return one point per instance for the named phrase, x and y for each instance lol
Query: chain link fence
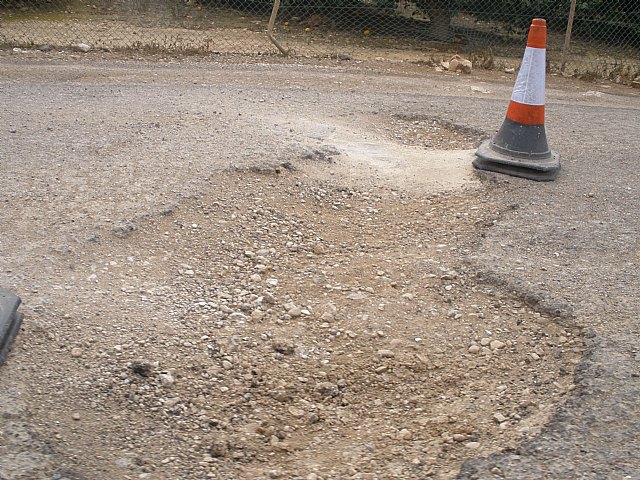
(594, 39)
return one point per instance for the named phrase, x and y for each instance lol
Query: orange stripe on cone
(526, 114)
(537, 34)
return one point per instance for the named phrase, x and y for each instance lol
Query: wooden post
(272, 20)
(567, 37)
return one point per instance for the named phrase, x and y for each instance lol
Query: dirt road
(247, 270)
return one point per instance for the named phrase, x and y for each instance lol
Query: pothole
(432, 133)
(282, 324)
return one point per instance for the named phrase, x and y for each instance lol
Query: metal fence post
(567, 37)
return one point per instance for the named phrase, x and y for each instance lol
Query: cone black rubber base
(538, 169)
(10, 320)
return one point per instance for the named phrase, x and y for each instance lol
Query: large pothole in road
(286, 327)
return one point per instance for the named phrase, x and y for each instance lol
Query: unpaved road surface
(289, 271)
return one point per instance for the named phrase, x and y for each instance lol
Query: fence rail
(605, 40)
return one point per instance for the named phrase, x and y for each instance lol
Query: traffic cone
(520, 147)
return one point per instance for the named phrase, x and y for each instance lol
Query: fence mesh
(605, 41)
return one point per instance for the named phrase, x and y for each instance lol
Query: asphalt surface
(569, 247)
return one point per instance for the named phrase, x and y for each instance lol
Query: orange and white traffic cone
(520, 147)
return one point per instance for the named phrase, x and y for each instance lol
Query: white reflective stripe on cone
(529, 88)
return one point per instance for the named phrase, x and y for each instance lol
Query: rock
(295, 312)
(445, 65)
(76, 352)
(227, 365)
(499, 418)
(171, 402)
(284, 347)
(344, 56)
(327, 389)
(75, 416)
(485, 341)
(167, 380)
(357, 296)
(142, 369)
(237, 316)
(384, 353)
(459, 437)
(318, 249)
(459, 64)
(296, 412)
(405, 434)
(496, 345)
(218, 449)
(510, 71)
(472, 445)
(474, 349)
(81, 47)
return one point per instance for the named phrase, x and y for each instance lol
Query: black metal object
(10, 321)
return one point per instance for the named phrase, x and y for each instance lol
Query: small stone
(171, 402)
(327, 389)
(256, 277)
(76, 352)
(510, 71)
(167, 380)
(474, 349)
(82, 47)
(142, 369)
(499, 418)
(218, 449)
(295, 312)
(75, 416)
(318, 249)
(405, 434)
(344, 56)
(272, 282)
(466, 66)
(496, 345)
(296, 412)
(535, 356)
(472, 445)
(384, 353)
(283, 347)
(485, 341)
(459, 437)
(227, 365)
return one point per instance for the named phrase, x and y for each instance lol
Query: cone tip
(539, 22)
